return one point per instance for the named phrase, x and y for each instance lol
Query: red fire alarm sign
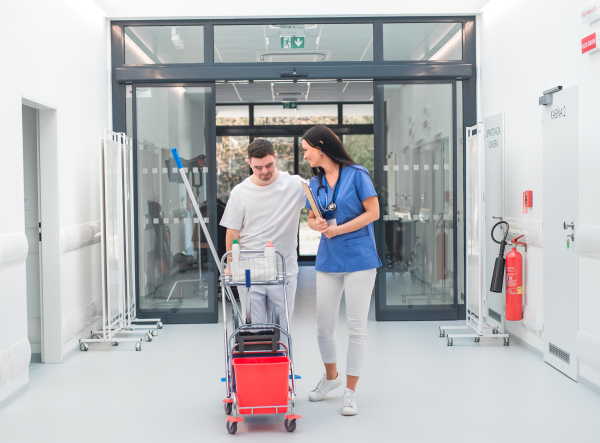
(527, 201)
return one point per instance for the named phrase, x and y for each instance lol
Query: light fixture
(176, 38)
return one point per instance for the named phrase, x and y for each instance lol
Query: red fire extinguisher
(514, 282)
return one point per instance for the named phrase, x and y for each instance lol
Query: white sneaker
(324, 386)
(349, 403)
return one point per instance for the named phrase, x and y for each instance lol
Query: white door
(561, 262)
(494, 212)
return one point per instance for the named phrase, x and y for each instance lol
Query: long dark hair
(324, 139)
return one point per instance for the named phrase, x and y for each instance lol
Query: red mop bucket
(262, 381)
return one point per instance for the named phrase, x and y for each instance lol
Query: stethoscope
(331, 206)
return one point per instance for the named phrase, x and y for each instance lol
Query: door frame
(212, 313)
(379, 70)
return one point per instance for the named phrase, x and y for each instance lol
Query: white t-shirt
(268, 213)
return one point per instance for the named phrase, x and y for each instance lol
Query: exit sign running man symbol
(292, 42)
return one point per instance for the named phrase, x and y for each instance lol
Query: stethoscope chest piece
(332, 206)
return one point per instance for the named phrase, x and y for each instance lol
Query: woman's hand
(332, 231)
(321, 225)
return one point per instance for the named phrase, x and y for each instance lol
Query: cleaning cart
(259, 365)
(259, 370)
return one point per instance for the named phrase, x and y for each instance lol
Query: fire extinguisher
(514, 275)
(514, 282)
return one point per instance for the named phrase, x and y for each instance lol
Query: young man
(266, 207)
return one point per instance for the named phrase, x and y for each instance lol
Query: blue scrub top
(356, 250)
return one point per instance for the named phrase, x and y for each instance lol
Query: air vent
(559, 353)
(495, 315)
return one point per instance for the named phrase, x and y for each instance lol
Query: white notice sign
(494, 132)
(590, 13)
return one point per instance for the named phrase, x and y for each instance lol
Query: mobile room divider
(119, 320)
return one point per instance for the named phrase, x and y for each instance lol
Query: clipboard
(311, 200)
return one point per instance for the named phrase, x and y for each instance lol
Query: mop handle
(197, 209)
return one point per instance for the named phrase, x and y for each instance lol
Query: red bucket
(262, 381)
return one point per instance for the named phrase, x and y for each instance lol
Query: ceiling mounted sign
(590, 13)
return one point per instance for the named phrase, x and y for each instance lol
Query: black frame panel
(168, 317)
(378, 70)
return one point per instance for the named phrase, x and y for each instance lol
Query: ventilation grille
(493, 314)
(559, 353)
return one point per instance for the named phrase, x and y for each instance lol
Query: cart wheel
(236, 318)
(477, 339)
(506, 341)
(290, 425)
(83, 347)
(277, 315)
(403, 299)
(159, 325)
(115, 343)
(138, 346)
(410, 304)
(449, 341)
(494, 331)
(231, 427)
(148, 337)
(154, 332)
(228, 408)
(442, 333)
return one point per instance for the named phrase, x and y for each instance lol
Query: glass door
(416, 174)
(176, 275)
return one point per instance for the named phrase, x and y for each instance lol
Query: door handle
(497, 217)
(565, 225)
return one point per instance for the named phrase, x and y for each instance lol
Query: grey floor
(414, 389)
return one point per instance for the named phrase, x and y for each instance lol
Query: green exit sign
(290, 105)
(292, 42)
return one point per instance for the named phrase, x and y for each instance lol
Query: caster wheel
(231, 427)
(494, 331)
(442, 333)
(506, 341)
(449, 341)
(290, 425)
(403, 299)
(477, 339)
(159, 325)
(83, 347)
(138, 346)
(148, 337)
(154, 332)
(115, 343)
(228, 408)
(410, 305)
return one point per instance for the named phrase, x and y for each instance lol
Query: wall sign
(292, 42)
(588, 44)
(590, 13)
(494, 131)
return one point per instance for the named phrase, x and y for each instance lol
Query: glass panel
(173, 254)
(284, 148)
(232, 167)
(293, 43)
(358, 114)
(148, 45)
(418, 196)
(422, 41)
(233, 116)
(361, 148)
(303, 115)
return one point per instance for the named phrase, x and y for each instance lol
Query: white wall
(54, 53)
(527, 47)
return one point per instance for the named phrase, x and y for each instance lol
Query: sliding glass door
(175, 273)
(416, 167)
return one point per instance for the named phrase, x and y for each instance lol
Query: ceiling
(301, 91)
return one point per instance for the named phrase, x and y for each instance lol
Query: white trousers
(358, 287)
(263, 300)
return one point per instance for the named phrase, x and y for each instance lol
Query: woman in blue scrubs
(347, 258)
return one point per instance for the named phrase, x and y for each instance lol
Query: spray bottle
(269, 250)
(235, 250)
